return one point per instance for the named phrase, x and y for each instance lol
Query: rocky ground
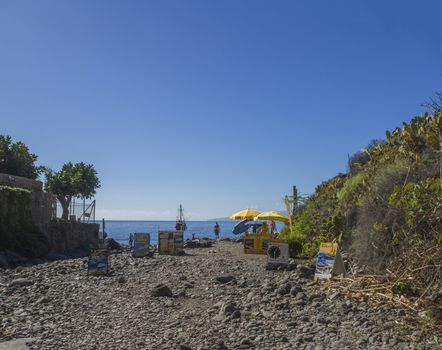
(212, 298)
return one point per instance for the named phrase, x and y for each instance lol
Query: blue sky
(218, 105)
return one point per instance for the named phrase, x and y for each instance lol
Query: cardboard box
(171, 242)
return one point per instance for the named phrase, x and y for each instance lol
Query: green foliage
(419, 134)
(357, 162)
(321, 211)
(387, 209)
(14, 189)
(317, 220)
(402, 287)
(300, 244)
(379, 228)
(16, 159)
(73, 180)
(421, 203)
(352, 191)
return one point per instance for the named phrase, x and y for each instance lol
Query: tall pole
(104, 225)
(295, 201)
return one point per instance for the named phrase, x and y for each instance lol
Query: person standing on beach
(216, 230)
(131, 240)
(264, 228)
(272, 227)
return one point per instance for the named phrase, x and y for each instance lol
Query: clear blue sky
(219, 105)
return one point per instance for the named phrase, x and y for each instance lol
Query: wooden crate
(171, 242)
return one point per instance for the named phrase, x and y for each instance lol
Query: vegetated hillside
(387, 209)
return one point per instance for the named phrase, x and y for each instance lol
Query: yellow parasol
(245, 214)
(272, 216)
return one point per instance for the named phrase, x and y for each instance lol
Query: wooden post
(295, 201)
(104, 225)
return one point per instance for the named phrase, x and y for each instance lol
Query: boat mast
(180, 221)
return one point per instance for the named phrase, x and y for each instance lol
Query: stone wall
(18, 232)
(20, 182)
(15, 208)
(38, 207)
(43, 208)
(28, 224)
(71, 238)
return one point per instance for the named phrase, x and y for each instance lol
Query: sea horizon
(121, 229)
(170, 220)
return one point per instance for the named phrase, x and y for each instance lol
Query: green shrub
(387, 210)
(297, 242)
(351, 193)
(300, 239)
(16, 159)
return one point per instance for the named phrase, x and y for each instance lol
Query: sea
(120, 230)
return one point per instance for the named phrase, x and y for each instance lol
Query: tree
(73, 180)
(16, 159)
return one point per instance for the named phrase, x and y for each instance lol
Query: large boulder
(112, 244)
(227, 308)
(305, 271)
(21, 282)
(161, 290)
(196, 243)
(223, 279)
(284, 289)
(16, 344)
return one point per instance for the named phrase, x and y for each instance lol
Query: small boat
(180, 224)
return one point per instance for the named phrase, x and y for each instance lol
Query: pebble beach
(211, 298)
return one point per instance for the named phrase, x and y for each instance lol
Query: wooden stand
(255, 243)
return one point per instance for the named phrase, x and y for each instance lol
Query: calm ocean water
(120, 230)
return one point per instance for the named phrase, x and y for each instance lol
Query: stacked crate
(171, 242)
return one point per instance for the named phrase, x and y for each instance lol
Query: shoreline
(219, 298)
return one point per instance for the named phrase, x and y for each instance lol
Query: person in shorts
(216, 230)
